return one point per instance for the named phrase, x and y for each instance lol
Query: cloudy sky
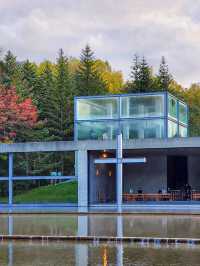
(116, 30)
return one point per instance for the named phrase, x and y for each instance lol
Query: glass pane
(44, 164)
(172, 129)
(139, 129)
(142, 106)
(103, 108)
(3, 191)
(172, 107)
(97, 130)
(45, 191)
(182, 113)
(3, 165)
(182, 131)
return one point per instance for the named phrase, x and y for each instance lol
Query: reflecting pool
(59, 254)
(102, 225)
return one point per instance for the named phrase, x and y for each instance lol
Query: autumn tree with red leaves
(15, 115)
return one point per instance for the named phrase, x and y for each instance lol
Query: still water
(102, 225)
(60, 254)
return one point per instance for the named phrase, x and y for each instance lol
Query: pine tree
(63, 98)
(46, 93)
(88, 79)
(141, 76)
(134, 84)
(164, 77)
(145, 77)
(30, 81)
(9, 70)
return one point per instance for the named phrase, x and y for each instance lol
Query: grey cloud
(37, 29)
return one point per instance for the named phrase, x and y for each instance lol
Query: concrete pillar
(10, 254)
(120, 255)
(81, 254)
(119, 173)
(82, 249)
(119, 226)
(10, 178)
(10, 225)
(82, 225)
(120, 246)
(82, 173)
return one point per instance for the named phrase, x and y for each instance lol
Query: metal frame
(11, 178)
(120, 119)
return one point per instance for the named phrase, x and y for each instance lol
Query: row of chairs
(171, 196)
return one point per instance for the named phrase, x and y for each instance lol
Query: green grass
(61, 192)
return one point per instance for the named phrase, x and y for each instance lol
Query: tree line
(51, 87)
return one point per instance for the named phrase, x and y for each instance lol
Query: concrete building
(145, 116)
(158, 158)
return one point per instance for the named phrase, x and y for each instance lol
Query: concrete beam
(39, 146)
(100, 145)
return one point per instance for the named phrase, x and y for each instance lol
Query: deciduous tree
(15, 115)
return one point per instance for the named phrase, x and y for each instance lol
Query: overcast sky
(116, 30)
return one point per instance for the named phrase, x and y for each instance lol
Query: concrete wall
(101, 186)
(150, 176)
(194, 171)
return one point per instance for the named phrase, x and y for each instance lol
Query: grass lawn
(62, 192)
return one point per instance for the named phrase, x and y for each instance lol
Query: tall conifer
(88, 79)
(145, 77)
(164, 77)
(135, 75)
(30, 81)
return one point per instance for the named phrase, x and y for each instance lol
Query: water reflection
(102, 225)
(19, 254)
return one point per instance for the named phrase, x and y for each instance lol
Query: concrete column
(10, 178)
(119, 226)
(82, 225)
(82, 249)
(10, 225)
(82, 173)
(81, 254)
(10, 254)
(119, 173)
(119, 246)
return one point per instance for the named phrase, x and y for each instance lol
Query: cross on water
(119, 160)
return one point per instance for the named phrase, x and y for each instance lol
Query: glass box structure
(137, 116)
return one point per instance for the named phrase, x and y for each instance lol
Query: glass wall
(45, 191)
(145, 115)
(3, 191)
(142, 106)
(97, 130)
(183, 131)
(172, 107)
(177, 118)
(140, 129)
(97, 108)
(182, 113)
(172, 129)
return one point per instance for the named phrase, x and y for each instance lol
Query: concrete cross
(119, 160)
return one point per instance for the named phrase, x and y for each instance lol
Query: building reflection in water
(105, 257)
(10, 245)
(106, 225)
